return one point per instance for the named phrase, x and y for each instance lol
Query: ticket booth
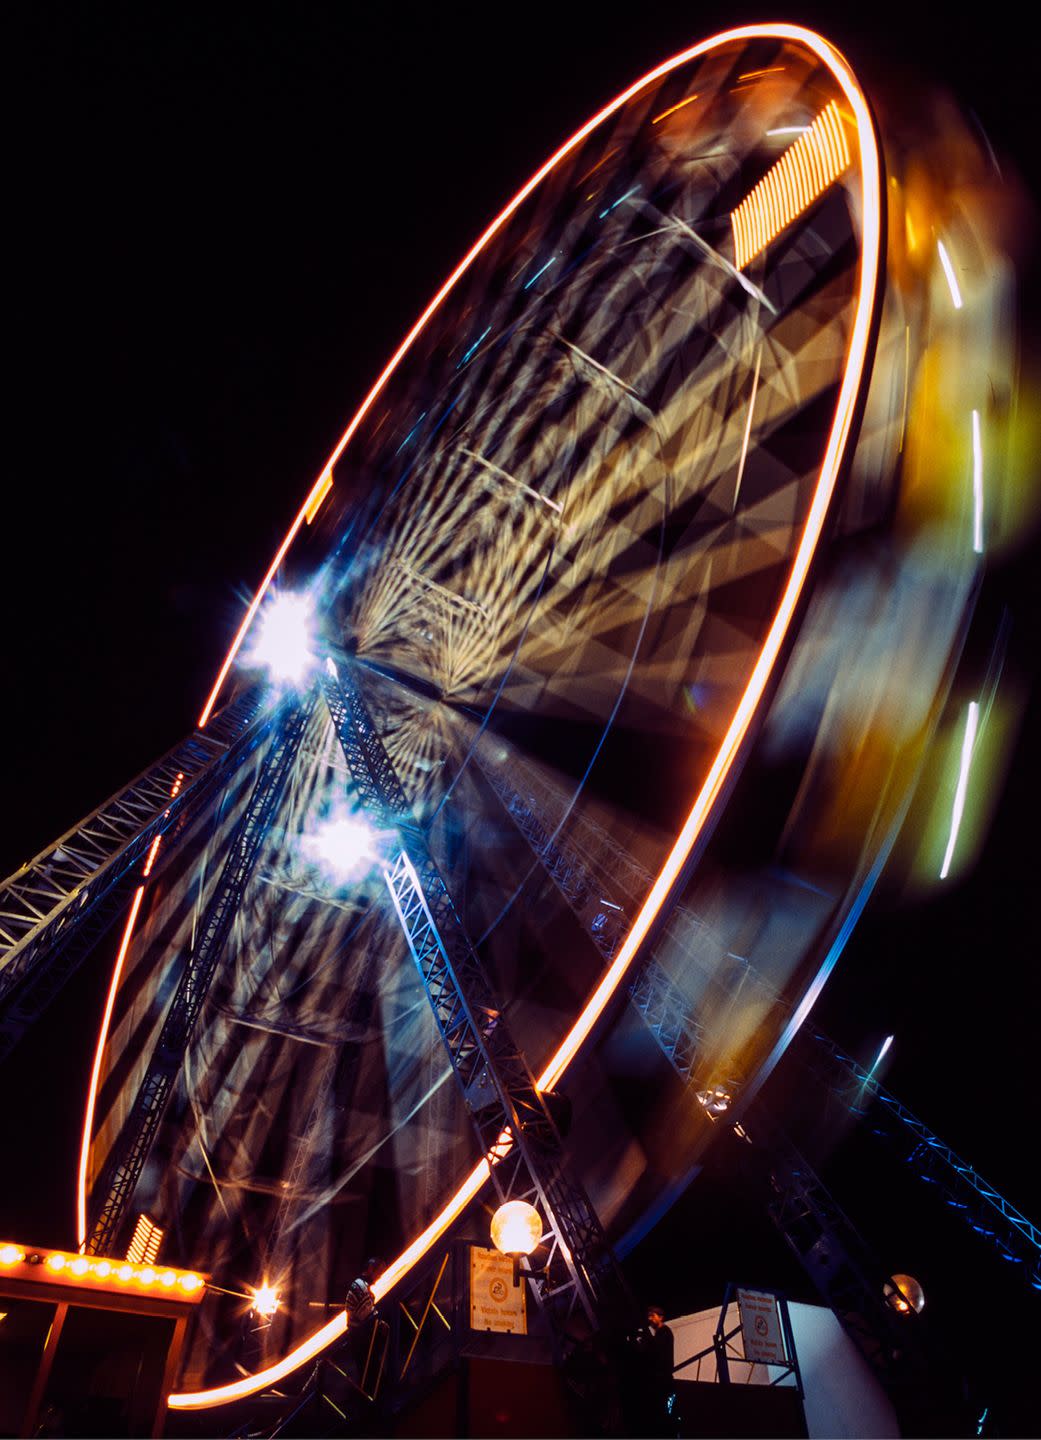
(89, 1345)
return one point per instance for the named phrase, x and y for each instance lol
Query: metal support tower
(821, 1236)
(57, 906)
(1017, 1239)
(125, 1163)
(512, 1121)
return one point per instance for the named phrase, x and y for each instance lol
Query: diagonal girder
(819, 1233)
(510, 1115)
(1017, 1239)
(56, 907)
(126, 1161)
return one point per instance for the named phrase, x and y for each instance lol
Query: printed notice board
(495, 1302)
(761, 1327)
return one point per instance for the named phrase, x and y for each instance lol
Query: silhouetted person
(653, 1357)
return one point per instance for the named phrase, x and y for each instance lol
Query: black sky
(219, 223)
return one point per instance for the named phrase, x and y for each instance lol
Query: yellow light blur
(516, 1228)
(790, 186)
(102, 1269)
(55, 1262)
(11, 1255)
(190, 1283)
(167, 1278)
(125, 1272)
(80, 1266)
(146, 1276)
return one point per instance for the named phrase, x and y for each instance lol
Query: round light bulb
(125, 1272)
(167, 1278)
(904, 1294)
(516, 1228)
(10, 1255)
(102, 1269)
(146, 1276)
(55, 1262)
(80, 1266)
(190, 1283)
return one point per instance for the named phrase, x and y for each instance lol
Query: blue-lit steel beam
(126, 1161)
(56, 907)
(497, 1084)
(1017, 1239)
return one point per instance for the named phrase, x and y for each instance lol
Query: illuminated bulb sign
(96, 1273)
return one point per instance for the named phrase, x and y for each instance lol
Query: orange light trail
(95, 1074)
(106, 1020)
(856, 360)
(316, 499)
(673, 108)
(804, 171)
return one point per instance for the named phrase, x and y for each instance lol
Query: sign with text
(495, 1302)
(761, 1327)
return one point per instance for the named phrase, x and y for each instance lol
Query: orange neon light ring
(853, 377)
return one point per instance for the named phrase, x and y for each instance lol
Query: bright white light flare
(284, 643)
(345, 847)
(266, 1300)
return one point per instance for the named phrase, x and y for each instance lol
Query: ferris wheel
(640, 513)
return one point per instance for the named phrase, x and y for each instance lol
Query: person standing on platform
(654, 1357)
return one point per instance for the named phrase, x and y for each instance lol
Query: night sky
(219, 224)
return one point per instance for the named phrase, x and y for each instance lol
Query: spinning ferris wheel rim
(855, 374)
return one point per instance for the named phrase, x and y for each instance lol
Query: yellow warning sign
(495, 1302)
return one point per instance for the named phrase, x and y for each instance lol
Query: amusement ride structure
(668, 517)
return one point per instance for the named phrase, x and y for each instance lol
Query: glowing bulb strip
(856, 361)
(791, 185)
(96, 1272)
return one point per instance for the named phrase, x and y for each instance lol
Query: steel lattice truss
(1018, 1240)
(57, 906)
(126, 1162)
(509, 1113)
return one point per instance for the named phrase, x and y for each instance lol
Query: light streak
(977, 484)
(948, 270)
(673, 108)
(551, 261)
(789, 130)
(316, 499)
(968, 741)
(791, 185)
(748, 426)
(881, 1054)
(722, 261)
(604, 213)
(95, 1074)
(410, 434)
(856, 359)
(503, 475)
(473, 347)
